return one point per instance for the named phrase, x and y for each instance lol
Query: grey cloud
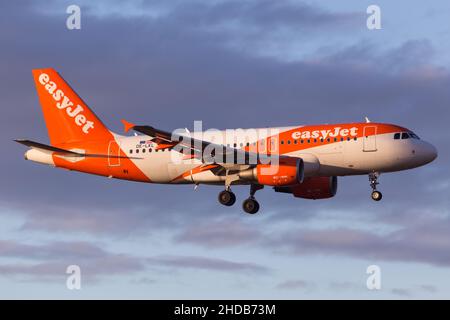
(401, 292)
(410, 55)
(296, 285)
(215, 264)
(346, 285)
(144, 281)
(220, 233)
(428, 288)
(423, 244)
(410, 292)
(54, 250)
(50, 260)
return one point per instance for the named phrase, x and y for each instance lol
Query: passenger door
(370, 139)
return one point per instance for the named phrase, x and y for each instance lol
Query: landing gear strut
(373, 179)
(227, 197)
(250, 205)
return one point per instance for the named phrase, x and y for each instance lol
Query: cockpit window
(406, 135)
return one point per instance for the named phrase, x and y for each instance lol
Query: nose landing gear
(373, 179)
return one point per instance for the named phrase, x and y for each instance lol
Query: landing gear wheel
(377, 195)
(250, 206)
(373, 179)
(227, 198)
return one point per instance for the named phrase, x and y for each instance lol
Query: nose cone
(428, 152)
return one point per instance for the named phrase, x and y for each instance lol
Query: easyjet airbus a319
(304, 161)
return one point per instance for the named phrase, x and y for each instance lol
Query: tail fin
(67, 117)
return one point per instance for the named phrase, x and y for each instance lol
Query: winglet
(127, 125)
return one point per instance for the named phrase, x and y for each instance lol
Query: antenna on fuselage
(367, 120)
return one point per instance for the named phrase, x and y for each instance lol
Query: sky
(230, 64)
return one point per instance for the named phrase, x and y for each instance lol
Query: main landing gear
(250, 205)
(373, 179)
(227, 198)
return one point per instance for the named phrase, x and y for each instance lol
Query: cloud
(296, 285)
(423, 244)
(419, 289)
(203, 263)
(144, 281)
(346, 285)
(54, 250)
(50, 260)
(401, 292)
(42, 262)
(428, 288)
(229, 232)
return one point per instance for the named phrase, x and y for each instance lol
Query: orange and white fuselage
(327, 150)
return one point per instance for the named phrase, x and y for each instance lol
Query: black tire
(377, 195)
(250, 206)
(227, 198)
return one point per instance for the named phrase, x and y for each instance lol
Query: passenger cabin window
(397, 136)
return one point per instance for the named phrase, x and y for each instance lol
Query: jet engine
(312, 188)
(288, 172)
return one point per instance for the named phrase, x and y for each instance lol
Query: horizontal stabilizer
(67, 153)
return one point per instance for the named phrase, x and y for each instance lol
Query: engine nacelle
(288, 172)
(313, 188)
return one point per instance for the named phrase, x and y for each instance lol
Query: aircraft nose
(429, 152)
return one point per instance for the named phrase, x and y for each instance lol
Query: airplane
(304, 161)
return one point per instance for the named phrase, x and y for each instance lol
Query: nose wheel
(373, 179)
(377, 195)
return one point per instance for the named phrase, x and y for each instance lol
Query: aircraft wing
(205, 151)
